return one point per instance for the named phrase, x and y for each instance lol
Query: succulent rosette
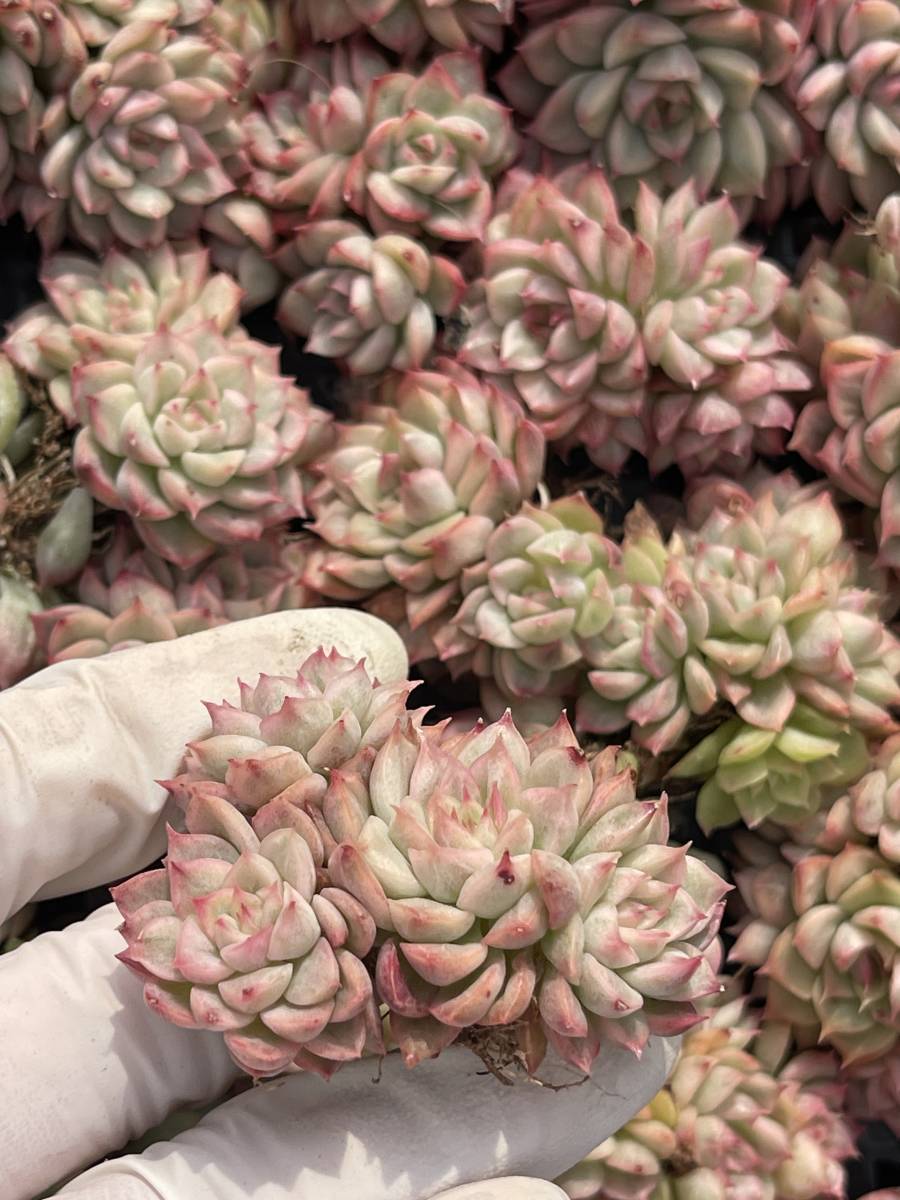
(824, 932)
(432, 146)
(853, 435)
(749, 411)
(500, 868)
(726, 1124)
(853, 288)
(130, 596)
(247, 789)
(142, 140)
(600, 329)
(810, 679)
(665, 92)
(845, 318)
(301, 138)
(232, 936)
(849, 93)
(41, 51)
(371, 302)
(274, 752)
(533, 605)
(197, 437)
(756, 775)
(414, 488)
(109, 309)
(646, 667)
(406, 25)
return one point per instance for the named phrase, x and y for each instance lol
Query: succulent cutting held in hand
(337, 865)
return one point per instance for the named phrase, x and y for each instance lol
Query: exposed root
(499, 1048)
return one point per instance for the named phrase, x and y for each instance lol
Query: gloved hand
(85, 1066)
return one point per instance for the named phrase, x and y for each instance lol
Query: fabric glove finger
(82, 742)
(412, 1135)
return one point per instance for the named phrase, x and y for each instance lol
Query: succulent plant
(301, 138)
(498, 868)
(108, 309)
(406, 25)
(68, 631)
(197, 437)
(853, 435)
(823, 931)
(647, 665)
(104, 324)
(501, 881)
(532, 606)
(850, 288)
(759, 605)
(415, 486)
(128, 596)
(141, 141)
(665, 92)
(849, 94)
(410, 154)
(795, 644)
(370, 302)
(42, 51)
(756, 775)
(232, 936)
(725, 1125)
(433, 142)
(748, 411)
(276, 751)
(595, 325)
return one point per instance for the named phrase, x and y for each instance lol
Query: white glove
(85, 1066)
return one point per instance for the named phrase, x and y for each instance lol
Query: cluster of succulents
(622, 469)
(760, 606)
(657, 339)
(501, 880)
